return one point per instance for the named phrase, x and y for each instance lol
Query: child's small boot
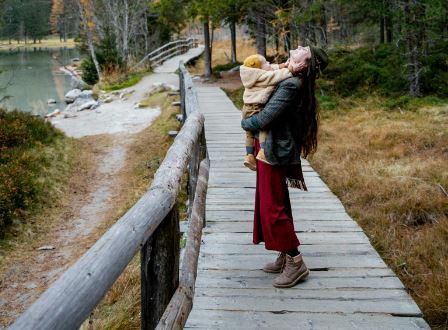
(261, 156)
(250, 162)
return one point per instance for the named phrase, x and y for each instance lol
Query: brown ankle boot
(250, 162)
(277, 265)
(262, 157)
(294, 271)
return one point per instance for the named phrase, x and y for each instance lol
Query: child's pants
(248, 111)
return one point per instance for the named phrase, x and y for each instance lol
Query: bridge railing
(167, 51)
(151, 226)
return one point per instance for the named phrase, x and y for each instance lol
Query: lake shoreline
(44, 44)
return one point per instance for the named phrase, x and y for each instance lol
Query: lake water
(35, 77)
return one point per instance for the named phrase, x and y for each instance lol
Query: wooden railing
(150, 226)
(167, 51)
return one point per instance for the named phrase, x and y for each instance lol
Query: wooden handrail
(176, 314)
(151, 225)
(166, 51)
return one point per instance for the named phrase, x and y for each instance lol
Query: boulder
(108, 99)
(92, 104)
(72, 95)
(51, 101)
(53, 113)
(86, 94)
(78, 83)
(160, 87)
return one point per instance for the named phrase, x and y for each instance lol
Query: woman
(291, 118)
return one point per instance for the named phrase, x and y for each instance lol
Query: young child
(259, 79)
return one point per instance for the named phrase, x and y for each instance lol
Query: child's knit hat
(253, 61)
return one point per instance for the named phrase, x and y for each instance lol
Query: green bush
(107, 55)
(382, 69)
(89, 74)
(225, 67)
(23, 139)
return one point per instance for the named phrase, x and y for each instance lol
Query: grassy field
(120, 309)
(51, 42)
(389, 168)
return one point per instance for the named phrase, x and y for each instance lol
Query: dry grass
(51, 42)
(390, 171)
(120, 309)
(221, 54)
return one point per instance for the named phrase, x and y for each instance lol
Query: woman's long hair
(310, 114)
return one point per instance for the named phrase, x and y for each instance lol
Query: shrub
(23, 139)
(225, 67)
(107, 56)
(382, 69)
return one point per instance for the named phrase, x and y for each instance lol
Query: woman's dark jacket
(282, 119)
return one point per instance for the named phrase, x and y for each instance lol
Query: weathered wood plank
(297, 214)
(307, 249)
(358, 278)
(279, 304)
(305, 238)
(300, 226)
(246, 262)
(221, 319)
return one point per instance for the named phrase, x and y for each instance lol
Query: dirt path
(107, 136)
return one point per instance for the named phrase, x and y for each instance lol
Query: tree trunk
(207, 53)
(389, 34)
(381, 30)
(126, 33)
(413, 47)
(287, 41)
(232, 25)
(89, 36)
(323, 25)
(260, 37)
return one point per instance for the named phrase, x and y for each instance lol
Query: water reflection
(35, 78)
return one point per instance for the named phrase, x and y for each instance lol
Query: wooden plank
(358, 278)
(222, 319)
(246, 262)
(279, 304)
(296, 213)
(300, 226)
(305, 238)
(306, 249)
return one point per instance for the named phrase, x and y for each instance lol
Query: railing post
(159, 270)
(182, 92)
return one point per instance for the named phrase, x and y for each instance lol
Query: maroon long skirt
(273, 222)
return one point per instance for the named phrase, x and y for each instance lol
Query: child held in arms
(259, 79)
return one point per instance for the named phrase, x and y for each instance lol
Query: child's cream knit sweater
(259, 84)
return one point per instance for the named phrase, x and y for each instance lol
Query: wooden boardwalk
(350, 287)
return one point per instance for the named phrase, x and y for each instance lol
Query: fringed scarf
(294, 177)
